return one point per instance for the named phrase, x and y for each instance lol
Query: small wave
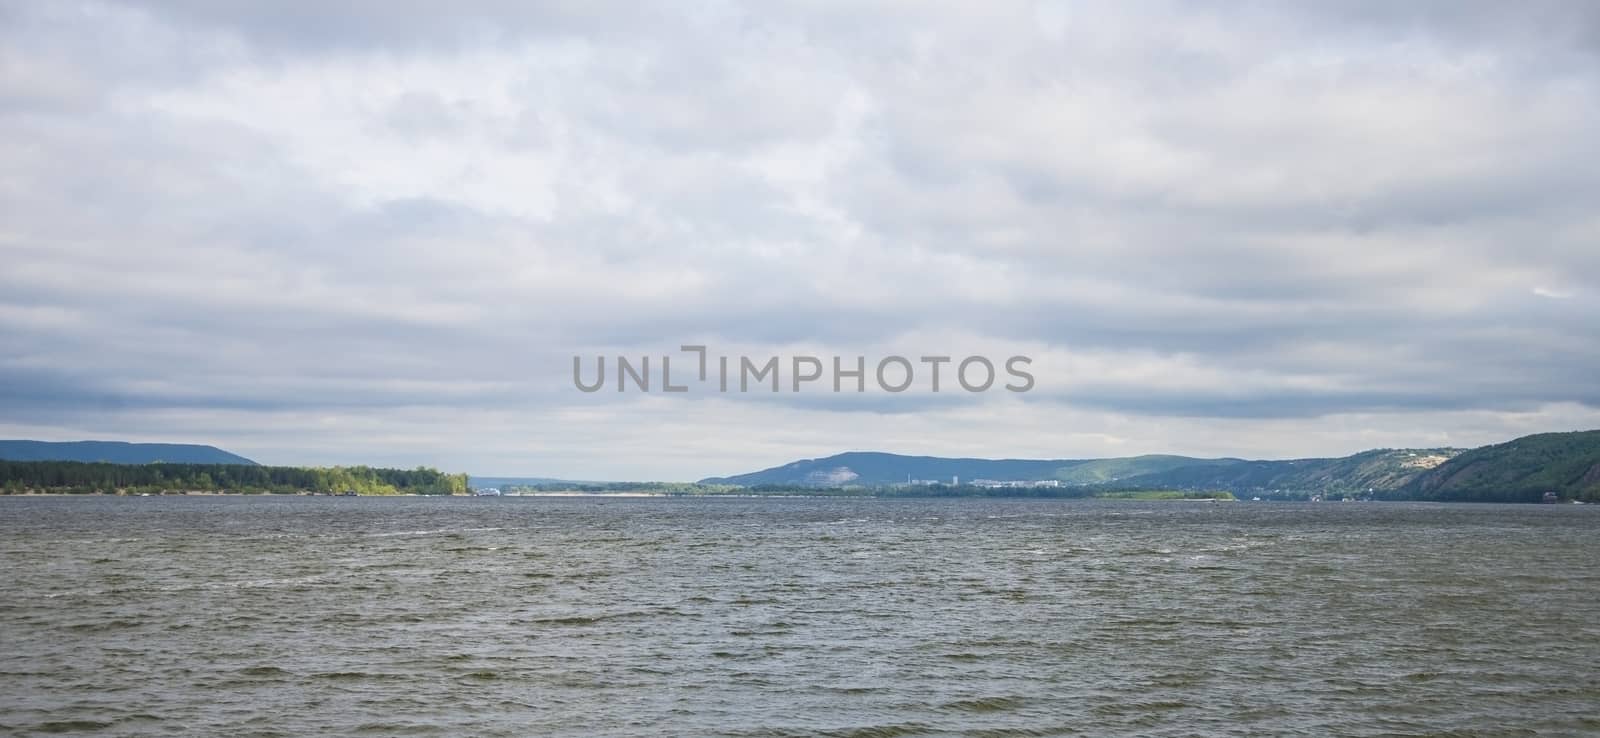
(71, 726)
(584, 619)
(856, 690)
(1141, 708)
(356, 676)
(961, 656)
(1019, 732)
(430, 532)
(985, 704)
(100, 625)
(76, 593)
(881, 731)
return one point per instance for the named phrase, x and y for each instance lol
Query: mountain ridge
(117, 452)
(1522, 469)
(1566, 465)
(878, 468)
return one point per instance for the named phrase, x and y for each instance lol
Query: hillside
(1567, 464)
(1122, 469)
(873, 468)
(117, 452)
(18, 477)
(1368, 472)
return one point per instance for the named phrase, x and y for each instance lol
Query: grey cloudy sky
(366, 232)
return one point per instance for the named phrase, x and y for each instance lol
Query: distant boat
(486, 492)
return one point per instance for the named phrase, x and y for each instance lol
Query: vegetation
(1120, 470)
(1358, 475)
(881, 469)
(1165, 494)
(80, 477)
(860, 490)
(1368, 473)
(1564, 464)
(666, 488)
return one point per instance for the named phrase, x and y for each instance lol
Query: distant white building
(1015, 483)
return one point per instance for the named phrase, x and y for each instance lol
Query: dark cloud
(376, 25)
(380, 216)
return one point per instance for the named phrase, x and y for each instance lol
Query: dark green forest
(683, 489)
(80, 477)
(1546, 466)
(1564, 464)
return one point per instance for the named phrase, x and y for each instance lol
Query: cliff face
(1590, 478)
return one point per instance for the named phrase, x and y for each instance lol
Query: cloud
(1292, 229)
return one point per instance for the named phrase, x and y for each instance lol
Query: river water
(261, 616)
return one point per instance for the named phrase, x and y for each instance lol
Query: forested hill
(1523, 470)
(79, 477)
(1567, 465)
(117, 452)
(874, 468)
(1370, 470)
(1373, 472)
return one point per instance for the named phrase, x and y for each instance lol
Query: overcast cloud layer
(359, 232)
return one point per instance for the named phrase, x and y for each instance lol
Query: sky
(373, 233)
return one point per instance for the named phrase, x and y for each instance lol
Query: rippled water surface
(775, 617)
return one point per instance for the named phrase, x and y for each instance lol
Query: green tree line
(687, 489)
(81, 477)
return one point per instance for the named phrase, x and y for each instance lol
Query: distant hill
(1122, 469)
(1368, 472)
(117, 452)
(874, 468)
(1524, 470)
(1567, 464)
